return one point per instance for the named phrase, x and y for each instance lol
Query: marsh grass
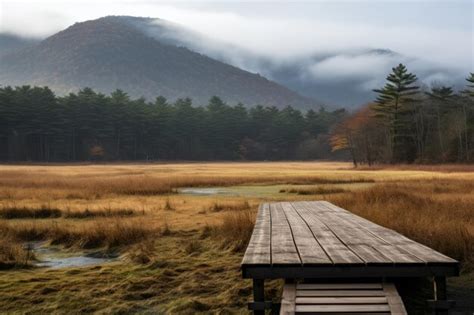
(235, 230)
(13, 254)
(99, 183)
(319, 190)
(194, 247)
(187, 260)
(172, 282)
(107, 233)
(226, 206)
(46, 212)
(168, 205)
(142, 253)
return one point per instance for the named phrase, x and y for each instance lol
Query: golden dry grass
(94, 234)
(185, 247)
(13, 254)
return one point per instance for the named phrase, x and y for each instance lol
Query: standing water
(53, 257)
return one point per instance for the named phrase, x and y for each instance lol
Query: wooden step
(341, 298)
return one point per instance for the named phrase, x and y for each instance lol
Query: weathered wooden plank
(283, 248)
(288, 299)
(335, 293)
(332, 245)
(354, 235)
(370, 255)
(320, 231)
(338, 286)
(391, 237)
(351, 229)
(342, 308)
(397, 255)
(380, 233)
(258, 251)
(325, 206)
(308, 247)
(426, 254)
(342, 300)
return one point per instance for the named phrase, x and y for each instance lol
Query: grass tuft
(192, 248)
(235, 230)
(168, 205)
(236, 206)
(13, 254)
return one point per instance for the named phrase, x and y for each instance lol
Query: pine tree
(468, 109)
(439, 97)
(470, 86)
(393, 107)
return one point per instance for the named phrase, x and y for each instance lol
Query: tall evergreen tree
(439, 96)
(393, 107)
(468, 113)
(470, 86)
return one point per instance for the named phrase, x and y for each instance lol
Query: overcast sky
(437, 31)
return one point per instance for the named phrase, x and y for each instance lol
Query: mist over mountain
(117, 52)
(343, 77)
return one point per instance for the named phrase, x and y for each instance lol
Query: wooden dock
(318, 240)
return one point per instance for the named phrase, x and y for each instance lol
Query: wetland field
(169, 238)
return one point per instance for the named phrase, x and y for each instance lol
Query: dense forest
(404, 124)
(408, 124)
(36, 125)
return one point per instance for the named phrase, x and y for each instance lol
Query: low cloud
(352, 66)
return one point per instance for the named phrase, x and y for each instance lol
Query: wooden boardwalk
(322, 235)
(316, 240)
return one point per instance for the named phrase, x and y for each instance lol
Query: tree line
(408, 124)
(37, 125)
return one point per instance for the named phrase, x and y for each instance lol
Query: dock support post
(440, 295)
(259, 294)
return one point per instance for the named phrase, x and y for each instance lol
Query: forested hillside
(36, 125)
(406, 124)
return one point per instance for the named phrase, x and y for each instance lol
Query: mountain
(117, 52)
(10, 43)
